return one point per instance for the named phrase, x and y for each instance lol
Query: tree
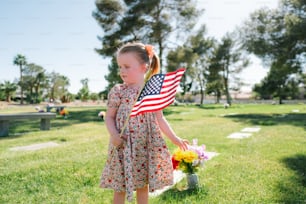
(8, 89)
(57, 85)
(34, 80)
(294, 12)
(269, 87)
(147, 21)
(292, 89)
(2, 94)
(83, 93)
(20, 60)
(94, 96)
(214, 83)
(203, 47)
(231, 62)
(183, 57)
(194, 56)
(278, 37)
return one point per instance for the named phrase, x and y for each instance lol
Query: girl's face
(131, 70)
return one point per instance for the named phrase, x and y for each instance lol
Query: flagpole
(127, 119)
(147, 77)
(129, 115)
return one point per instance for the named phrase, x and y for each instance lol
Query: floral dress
(144, 158)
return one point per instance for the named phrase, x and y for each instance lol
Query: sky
(61, 35)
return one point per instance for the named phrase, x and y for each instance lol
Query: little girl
(138, 160)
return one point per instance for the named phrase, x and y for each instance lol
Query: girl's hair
(143, 54)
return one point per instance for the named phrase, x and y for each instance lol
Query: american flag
(158, 93)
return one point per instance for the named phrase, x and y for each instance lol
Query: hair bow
(150, 50)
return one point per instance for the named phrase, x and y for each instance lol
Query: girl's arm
(110, 121)
(168, 131)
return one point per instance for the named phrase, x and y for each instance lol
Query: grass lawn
(268, 167)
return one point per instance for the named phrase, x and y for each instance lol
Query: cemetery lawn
(267, 167)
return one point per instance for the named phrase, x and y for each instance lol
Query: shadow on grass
(295, 119)
(298, 164)
(211, 107)
(19, 128)
(293, 190)
(170, 111)
(179, 195)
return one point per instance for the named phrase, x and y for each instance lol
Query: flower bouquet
(64, 112)
(189, 161)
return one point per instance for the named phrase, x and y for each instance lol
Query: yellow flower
(178, 155)
(190, 156)
(187, 156)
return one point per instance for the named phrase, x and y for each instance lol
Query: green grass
(269, 167)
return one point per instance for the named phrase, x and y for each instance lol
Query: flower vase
(192, 181)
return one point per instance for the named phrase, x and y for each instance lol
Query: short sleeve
(114, 97)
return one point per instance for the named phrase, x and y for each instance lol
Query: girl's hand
(116, 140)
(182, 144)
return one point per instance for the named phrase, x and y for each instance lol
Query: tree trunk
(201, 89)
(280, 95)
(8, 98)
(160, 56)
(218, 96)
(228, 97)
(226, 76)
(21, 85)
(202, 97)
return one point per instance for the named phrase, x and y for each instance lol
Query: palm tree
(8, 88)
(20, 61)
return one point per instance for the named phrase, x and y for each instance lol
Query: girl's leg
(142, 195)
(119, 197)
